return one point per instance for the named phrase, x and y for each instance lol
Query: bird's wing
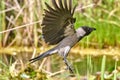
(58, 21)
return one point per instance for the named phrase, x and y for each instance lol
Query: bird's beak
(94, 28)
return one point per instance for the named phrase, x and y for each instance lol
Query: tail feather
(43, 55)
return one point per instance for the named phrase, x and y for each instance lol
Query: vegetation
(95, 57)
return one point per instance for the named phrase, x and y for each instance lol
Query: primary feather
(58, 21)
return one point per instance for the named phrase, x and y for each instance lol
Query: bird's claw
(70, 68)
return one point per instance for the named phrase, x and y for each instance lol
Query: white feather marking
(80, 32)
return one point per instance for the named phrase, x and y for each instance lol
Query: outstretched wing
(58, 21)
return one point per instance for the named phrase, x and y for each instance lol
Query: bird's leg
(68, 65)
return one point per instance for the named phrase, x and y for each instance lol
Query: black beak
(93, 28)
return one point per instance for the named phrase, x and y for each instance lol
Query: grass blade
(103, 67)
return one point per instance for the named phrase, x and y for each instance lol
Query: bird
(58, 29)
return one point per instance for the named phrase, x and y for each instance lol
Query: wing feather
(58, 21)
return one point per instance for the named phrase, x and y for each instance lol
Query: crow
(58, 28)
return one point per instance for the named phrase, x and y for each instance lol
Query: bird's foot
(70, 69)
(68, 66)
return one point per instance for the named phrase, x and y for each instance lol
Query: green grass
(2, 20)
(105, 35)
(88, 67)
(103, 67)
(115, 74)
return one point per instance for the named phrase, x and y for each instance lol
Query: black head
(87, 29)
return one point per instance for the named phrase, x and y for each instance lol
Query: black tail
(43, 55)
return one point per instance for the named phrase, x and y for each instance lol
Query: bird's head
(87, 29)
(84, 31)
